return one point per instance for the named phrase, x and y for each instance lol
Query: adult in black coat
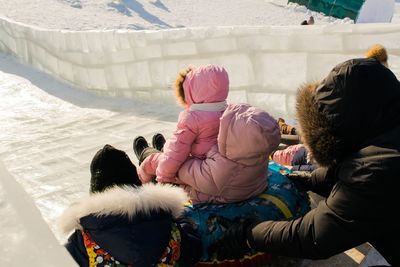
(350, 122)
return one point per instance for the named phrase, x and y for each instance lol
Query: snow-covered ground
(155, 14)
(49, 131)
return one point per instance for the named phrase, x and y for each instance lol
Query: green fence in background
(335, 8)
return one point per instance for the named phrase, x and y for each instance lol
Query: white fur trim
(218, 106)
(125, 201)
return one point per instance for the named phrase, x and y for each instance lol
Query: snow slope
(49, 131)
(155, 14)
(25, 237)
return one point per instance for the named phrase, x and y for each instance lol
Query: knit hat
(109, 167)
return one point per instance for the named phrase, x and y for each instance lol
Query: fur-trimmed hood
(127, 201)
(358, 101)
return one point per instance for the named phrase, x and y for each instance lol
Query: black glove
(233, 244)
(190, 238)
(302, 179)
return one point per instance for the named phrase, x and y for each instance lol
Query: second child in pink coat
(236, 168)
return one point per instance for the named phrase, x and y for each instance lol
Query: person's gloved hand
(190, 238)
(233, 244)
(301, 178)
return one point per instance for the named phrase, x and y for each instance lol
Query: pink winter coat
(236, 168)
(206, 89)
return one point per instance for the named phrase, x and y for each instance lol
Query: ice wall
(266, 64)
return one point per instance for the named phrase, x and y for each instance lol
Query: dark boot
(158, 141)
(139, 145)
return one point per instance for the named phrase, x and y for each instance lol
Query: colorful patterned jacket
(136, 227)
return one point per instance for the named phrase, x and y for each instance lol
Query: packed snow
(50, 130)
(156, 14)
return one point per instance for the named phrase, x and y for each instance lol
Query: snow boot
(158, 141)
(139, 145)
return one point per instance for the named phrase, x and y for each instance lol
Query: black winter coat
(351, 124)
(133, 225)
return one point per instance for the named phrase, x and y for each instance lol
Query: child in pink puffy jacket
(219, 152)
(203, 92)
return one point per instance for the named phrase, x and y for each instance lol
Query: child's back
(236, 168)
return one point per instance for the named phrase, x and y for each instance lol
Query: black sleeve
(325, 231)
(322, 180)
(76, 248)
(191, 245)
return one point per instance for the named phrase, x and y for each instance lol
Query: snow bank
(376, 11)
(27, 238)
(265, 64)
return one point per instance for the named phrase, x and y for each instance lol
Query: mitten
(302, 179)
(191, 245)
(233, 244)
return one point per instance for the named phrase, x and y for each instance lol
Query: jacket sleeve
(322, 180)
(177, 149)
(147, 170)
(76, 248)
(334, 226)
(201, 177)
(285, 156)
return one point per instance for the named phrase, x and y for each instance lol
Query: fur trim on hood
(356, 103)
(127, 201)
(315, 127)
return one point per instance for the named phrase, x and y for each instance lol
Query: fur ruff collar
(316, 129)
(127, 201)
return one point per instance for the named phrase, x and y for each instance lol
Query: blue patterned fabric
(281, 200)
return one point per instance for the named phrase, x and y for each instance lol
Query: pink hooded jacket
(205, 89)
(236, 168)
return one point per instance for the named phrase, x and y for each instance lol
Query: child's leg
(142, 149)
(147, 152)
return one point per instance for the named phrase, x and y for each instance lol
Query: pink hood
(247, 134)
(208, 84)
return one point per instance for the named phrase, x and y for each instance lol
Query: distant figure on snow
(310, 21)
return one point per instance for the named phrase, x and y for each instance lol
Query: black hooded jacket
(132, 224)
(350, 122)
